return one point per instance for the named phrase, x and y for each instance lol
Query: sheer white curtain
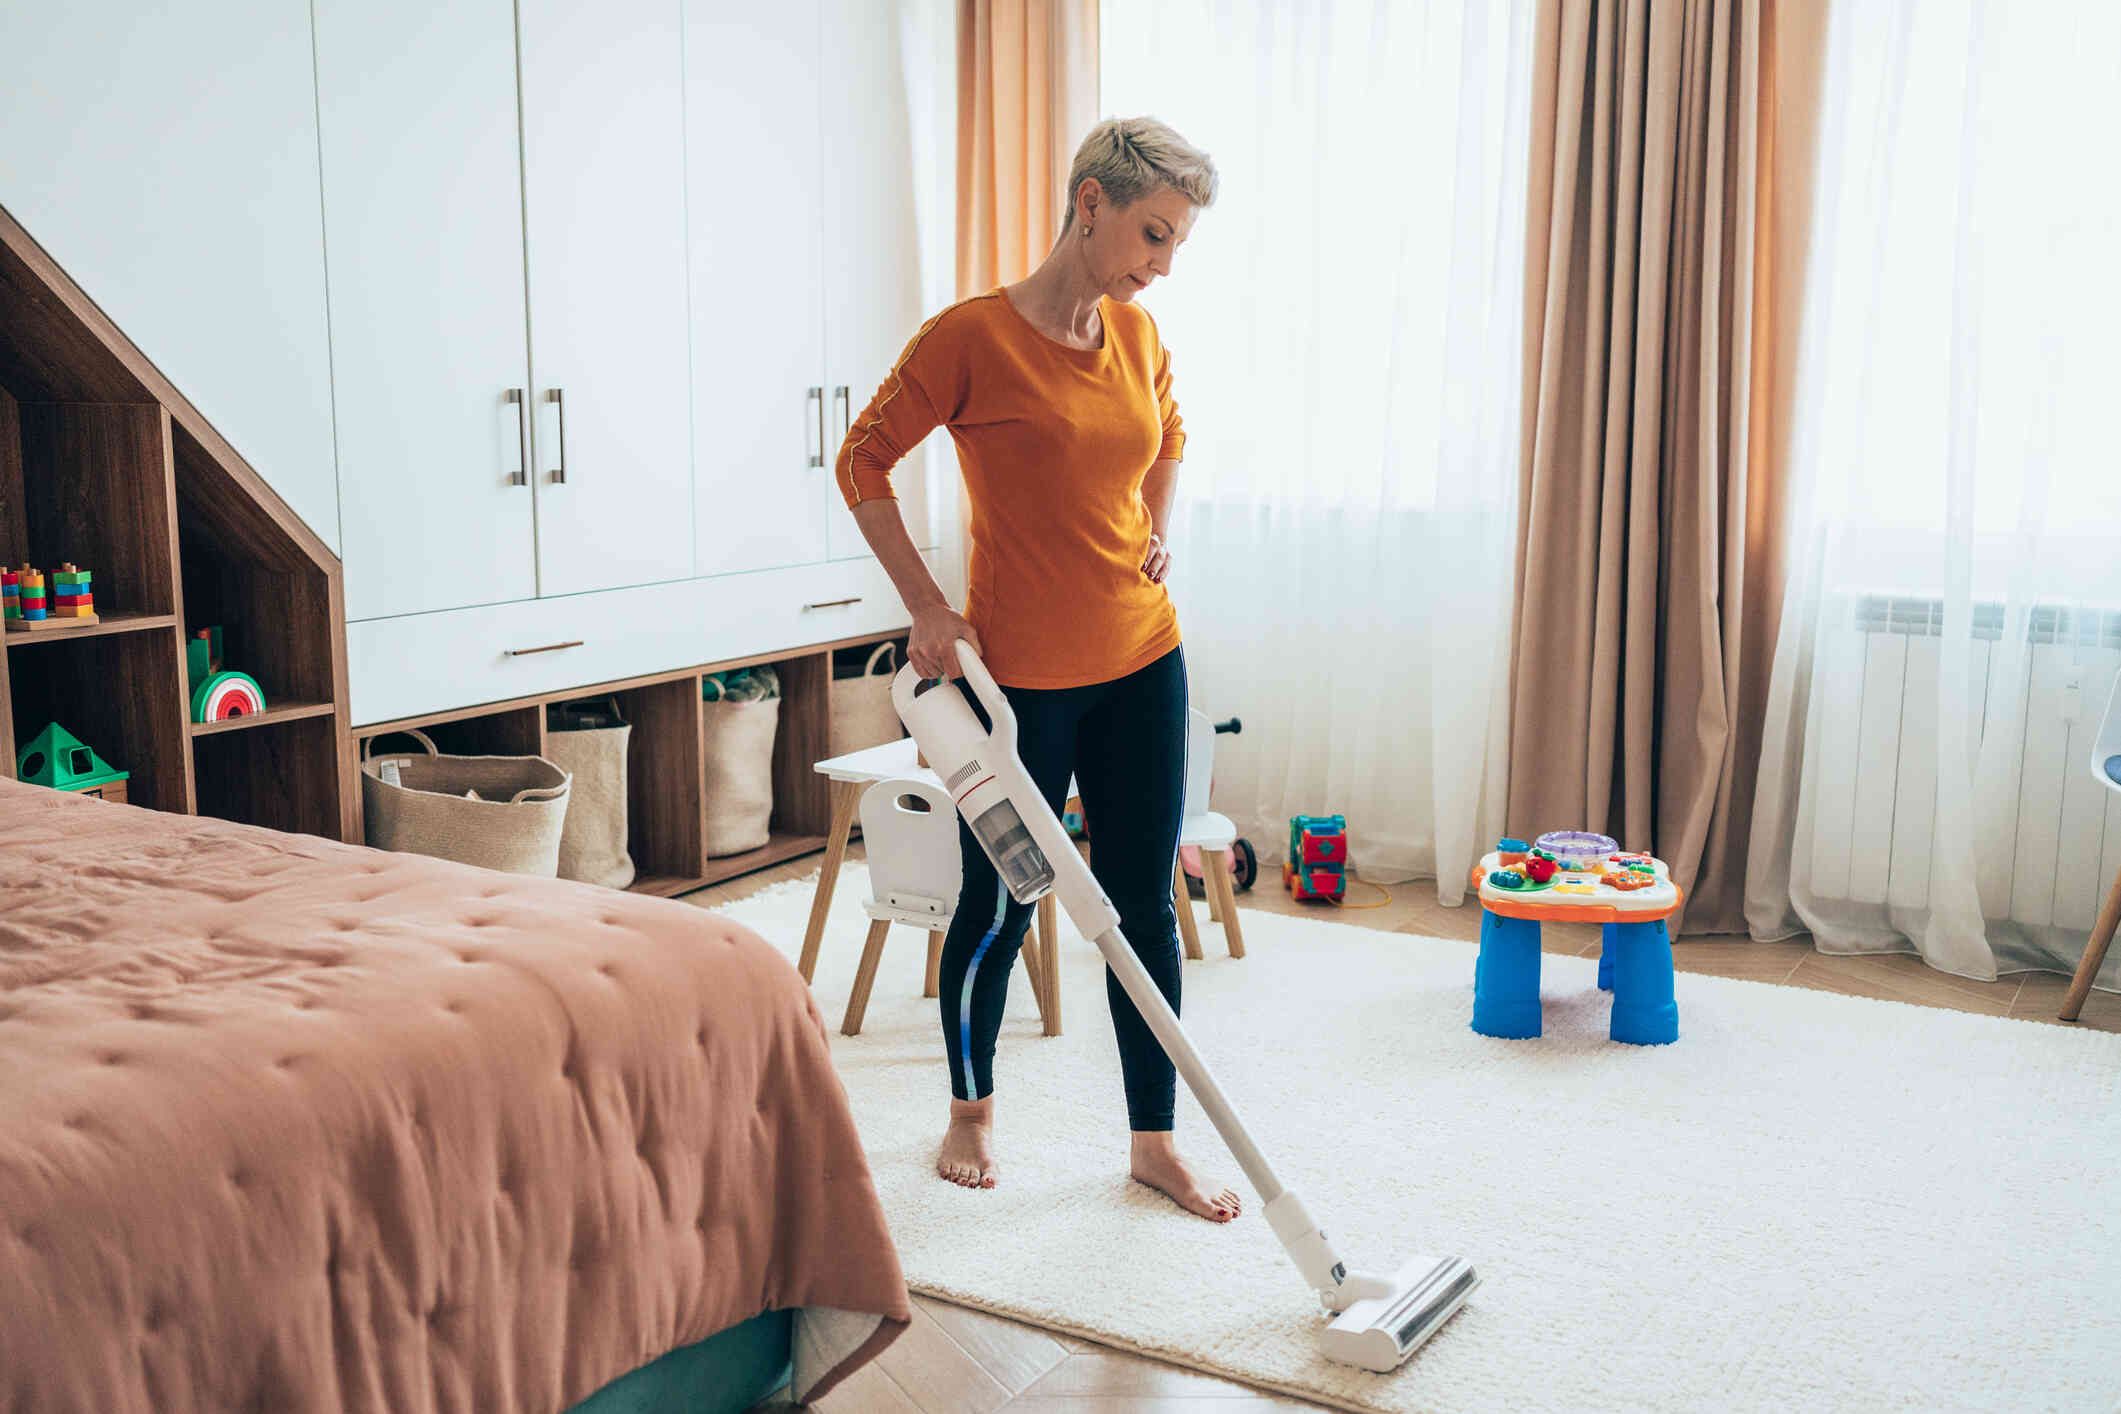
(1954, 613)
(1346, 331)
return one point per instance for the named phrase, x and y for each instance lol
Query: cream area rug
(1808, 1202)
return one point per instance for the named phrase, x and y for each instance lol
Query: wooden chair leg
(1049, 960)
(846, 799)
(934, 985)
(1207, 877)
(865, 978)
(1188, 930)
(1216, 864)
(2080, 986)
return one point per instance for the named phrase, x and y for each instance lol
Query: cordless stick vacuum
(1377, 1320)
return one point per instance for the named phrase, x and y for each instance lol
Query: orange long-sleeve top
(1054, 443)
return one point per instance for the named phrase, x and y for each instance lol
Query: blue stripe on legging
(964, 1005)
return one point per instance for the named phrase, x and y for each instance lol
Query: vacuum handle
(989, 693)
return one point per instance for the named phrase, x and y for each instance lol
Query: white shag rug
(1809, 1202)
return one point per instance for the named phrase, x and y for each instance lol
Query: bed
(287, 1124)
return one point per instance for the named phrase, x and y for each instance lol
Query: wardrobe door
(872, 248)
(603, 89)
(423, 224)
(762, 457)
(165, 156)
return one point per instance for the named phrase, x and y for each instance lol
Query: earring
(1086, 230)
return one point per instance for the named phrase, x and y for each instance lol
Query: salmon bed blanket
(288, 1124)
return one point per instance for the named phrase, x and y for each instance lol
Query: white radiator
(1877, 776)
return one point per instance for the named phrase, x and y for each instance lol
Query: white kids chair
(2106, 770)
(909, 832)
(1213, 835)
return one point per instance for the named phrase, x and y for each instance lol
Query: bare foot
(967, 1158)
(1155, 1161)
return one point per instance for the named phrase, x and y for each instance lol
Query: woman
(1058, 394)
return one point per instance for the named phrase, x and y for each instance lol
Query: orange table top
(1575, 897)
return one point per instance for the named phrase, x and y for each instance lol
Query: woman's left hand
(1158, 563)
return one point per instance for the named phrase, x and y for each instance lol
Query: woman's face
(1130, 246)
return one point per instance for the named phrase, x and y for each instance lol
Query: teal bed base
(726, 1373)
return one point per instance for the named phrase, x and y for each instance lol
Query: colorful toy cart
(1317, 864)
(1572, 877)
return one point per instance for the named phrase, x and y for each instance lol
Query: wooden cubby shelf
(105, 623)
(665, 760)
(778, 850)
(272, 715)
(105, 464)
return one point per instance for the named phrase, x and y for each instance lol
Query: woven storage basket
(498, 812)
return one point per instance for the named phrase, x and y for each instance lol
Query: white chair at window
(909, 833)
(1214, 836)
(2106, 770)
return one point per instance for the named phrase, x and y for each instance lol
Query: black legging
(1125, 741)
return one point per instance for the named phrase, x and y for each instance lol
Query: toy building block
(224, 695)
(36, 611)
(202, 656)
(71, 596)
(10, 593)
(56, 758)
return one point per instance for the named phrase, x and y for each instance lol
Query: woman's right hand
(932, 647)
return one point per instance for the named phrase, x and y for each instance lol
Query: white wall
(928, 53)
(166, 156)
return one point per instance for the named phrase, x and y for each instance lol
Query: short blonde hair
(1131, 157)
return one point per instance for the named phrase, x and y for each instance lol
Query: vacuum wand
(1379, 1319)
(1149, 1001)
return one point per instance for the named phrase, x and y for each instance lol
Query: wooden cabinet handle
(832, 603)
(548, 648)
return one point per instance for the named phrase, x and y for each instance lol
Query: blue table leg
(1506, 978)
(1644, 1013)
(1605, 958)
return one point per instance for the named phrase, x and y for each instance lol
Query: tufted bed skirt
(291, 1125)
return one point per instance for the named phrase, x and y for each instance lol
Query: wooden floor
(959, 1361)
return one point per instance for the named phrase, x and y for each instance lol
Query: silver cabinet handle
(548, 648)
(554, 396)
(522, 471)
(832, 603)
(817, 395)
(839, 395)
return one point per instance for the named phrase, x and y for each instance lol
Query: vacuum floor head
(1378, 1332)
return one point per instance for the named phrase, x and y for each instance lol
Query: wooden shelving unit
(105, 623)
(278, 712)
(104, 463)
(665, 793)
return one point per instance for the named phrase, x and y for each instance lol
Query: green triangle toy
(55, 757)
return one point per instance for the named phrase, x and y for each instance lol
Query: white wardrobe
(606, 284)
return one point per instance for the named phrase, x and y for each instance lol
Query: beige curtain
(1641, 651)
(1793, 61)
(1027, 93)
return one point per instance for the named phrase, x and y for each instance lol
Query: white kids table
(850, 776)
